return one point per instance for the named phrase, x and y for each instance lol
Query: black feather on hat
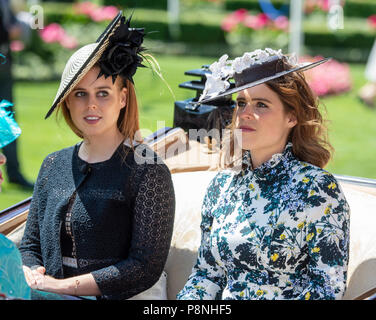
(122, 56)
(117, 51)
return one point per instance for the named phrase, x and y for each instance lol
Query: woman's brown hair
(309, 136)
(128, 121)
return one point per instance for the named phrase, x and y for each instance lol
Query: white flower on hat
(274, 53)
(214, 86)
(221, 68)
(261, 55)
(239, 65)
(250, 58)
(216, 82)
(293, 59)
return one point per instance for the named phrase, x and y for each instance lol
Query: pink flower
(256, 22)
(86, 8)
(323, 5)
(55, 33)
(104, 13)
(17, 45)
(281, 23)
(253, 22)
(240, 14)
(229, 23)
(95, 12)
(263, 19)
(69, 42)
(332, 77)
(372, 20)
(52, 33)
(309, 6)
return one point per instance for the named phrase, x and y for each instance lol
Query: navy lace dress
(113, 219)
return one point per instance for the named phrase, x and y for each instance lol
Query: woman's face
(2, 161)
(261, 116)
(95, 104)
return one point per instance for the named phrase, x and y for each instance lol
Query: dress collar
(271, 166)
(83, 165)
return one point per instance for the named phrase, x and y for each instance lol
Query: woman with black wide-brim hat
(101, 218)
(275, 225)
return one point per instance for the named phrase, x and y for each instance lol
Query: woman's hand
(38, 280)
(34, 278)
(81, 285)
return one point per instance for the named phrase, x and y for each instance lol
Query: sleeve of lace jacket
(327, 237)
(30, 244)
(153, 219)
(207, 279)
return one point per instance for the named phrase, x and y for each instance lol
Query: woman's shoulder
(222, 176)
(60, 156)
(218, 182)
(318, 180)
(313, 173)
(61, 152)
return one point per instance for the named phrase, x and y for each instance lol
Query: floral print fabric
(280, 231)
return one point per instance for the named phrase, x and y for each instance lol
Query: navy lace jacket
(122, 219)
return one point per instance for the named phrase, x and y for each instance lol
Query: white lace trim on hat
(224, 69)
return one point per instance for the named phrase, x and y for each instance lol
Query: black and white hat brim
(302, 67)
(81, 62)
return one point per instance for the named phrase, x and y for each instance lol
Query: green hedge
(360, 8)
(190, 33)
(232, 5)
(355, 8)
(352, 8)
(206, 31)
(150, 4)
(203, 28)
(59, 1)
(339, 40)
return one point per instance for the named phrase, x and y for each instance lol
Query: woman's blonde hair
(309, 135)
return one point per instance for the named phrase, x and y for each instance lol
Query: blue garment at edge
(9, 129)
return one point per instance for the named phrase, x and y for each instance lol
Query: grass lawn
(352, 127)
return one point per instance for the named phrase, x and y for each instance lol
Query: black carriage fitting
(188, 114)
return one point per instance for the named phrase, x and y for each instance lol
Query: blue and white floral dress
(280, 231)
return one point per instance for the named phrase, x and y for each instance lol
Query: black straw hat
(117, 51)
(252, 69)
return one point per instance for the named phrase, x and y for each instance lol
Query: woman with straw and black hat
(100, 221)
(276, 226)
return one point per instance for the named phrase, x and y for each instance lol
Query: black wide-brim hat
(270, 68)
(124, 46)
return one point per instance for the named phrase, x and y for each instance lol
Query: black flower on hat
(123, 54)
